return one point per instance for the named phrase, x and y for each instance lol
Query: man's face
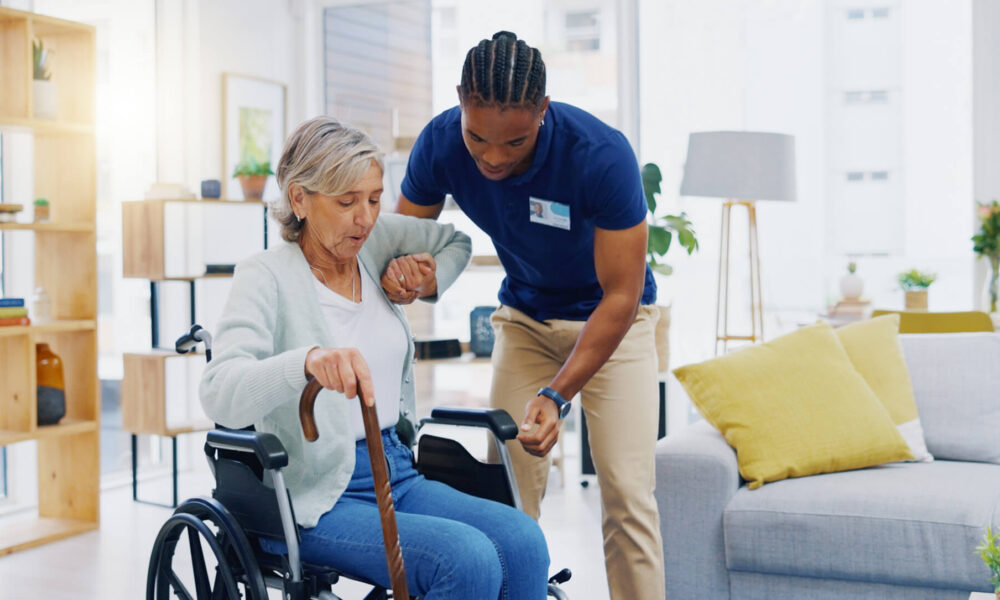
(501, 141)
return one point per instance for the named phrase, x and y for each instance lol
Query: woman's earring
(298, 217)
(542, 122)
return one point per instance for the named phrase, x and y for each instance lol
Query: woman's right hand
(343, 370)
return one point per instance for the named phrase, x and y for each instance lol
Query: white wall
(985, 110)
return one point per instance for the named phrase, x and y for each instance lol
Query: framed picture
(253, 128)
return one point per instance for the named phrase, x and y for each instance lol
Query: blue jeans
(454, 545)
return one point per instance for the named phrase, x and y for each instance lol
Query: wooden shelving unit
(65, 172)
(154, 234)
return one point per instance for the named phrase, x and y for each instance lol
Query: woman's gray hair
(322, 155)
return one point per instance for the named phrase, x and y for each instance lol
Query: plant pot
(851, 286)
(46, 101)
(916, 300)
(42, 213)
(51, 385)
(253, 186)
(662, 336)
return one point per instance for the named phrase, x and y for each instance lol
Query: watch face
(564, 410)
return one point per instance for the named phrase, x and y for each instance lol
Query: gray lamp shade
(742, 165)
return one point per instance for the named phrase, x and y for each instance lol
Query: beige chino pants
(620, 403)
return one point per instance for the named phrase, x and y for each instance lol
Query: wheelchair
(250, 502)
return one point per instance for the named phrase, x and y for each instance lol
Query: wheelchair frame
(255, 502)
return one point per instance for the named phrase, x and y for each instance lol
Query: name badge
(547, 212)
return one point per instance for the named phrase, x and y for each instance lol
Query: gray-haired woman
(326, 305)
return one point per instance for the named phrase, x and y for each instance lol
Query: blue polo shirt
(583, 175)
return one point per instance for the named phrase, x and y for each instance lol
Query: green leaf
(659, 240)
(651, 178)
(662, 269)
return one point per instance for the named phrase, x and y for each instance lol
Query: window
(583, 31)
(855, 175)
(391, 40)
(880, 13)
(880, 175)
(855, 14)
(3, 472)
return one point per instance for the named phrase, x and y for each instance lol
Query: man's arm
(405, 207)
(620, 262)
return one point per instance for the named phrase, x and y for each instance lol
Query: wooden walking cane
(383, 492)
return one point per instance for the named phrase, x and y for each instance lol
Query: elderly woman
(325, 306)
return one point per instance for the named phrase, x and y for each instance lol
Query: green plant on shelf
(662, 229)
(989, 551)
(915, 281)
(250, 167)
(40, 60)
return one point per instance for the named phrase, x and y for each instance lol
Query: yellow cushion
(794, 406)
(873, 347)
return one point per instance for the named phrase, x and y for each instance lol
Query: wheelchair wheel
(209, 527)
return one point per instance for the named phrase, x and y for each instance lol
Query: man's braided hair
(504, 72)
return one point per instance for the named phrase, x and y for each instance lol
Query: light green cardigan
(271, 321)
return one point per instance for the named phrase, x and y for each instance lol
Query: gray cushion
(903, 524)
(956, 383)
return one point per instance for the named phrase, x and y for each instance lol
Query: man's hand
(407, 278)
(540, 427)
(343, 370)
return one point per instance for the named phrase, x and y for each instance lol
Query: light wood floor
(111, 563)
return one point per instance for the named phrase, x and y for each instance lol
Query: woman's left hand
(409, 277)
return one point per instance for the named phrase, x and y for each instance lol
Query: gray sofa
(897, 531)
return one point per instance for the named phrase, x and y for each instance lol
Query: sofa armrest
(696, 476)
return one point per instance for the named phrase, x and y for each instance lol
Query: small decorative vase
(51, 385)
(851, 285)
(993, 284)
(481, 336)
(916, 300)
(45, 101)
(253, 186)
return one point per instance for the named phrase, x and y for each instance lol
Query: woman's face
(502, 142)
(341, 224)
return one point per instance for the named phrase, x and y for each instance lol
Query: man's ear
(458, 90)
(545, 107)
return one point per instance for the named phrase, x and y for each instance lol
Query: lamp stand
(722, 335)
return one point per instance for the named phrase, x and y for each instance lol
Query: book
(9, 321)
(13, 311)
(11, 302)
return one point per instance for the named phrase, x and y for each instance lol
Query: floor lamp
(742, 167)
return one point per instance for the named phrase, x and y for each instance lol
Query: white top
(371, 327)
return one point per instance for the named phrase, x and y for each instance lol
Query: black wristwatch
(562, 405)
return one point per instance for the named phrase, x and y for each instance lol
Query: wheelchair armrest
(266, 446)
(497, 420)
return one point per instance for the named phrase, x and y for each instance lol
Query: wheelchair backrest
(244, 486)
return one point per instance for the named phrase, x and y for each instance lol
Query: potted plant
(989, 551)
(662, 231)
(44, 102)
(253, 177)
(42, 213)
(915, 284)
(986, 244)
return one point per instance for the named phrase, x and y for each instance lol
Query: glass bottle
(41, 307)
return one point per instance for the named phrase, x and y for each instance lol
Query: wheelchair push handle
(383, 491)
